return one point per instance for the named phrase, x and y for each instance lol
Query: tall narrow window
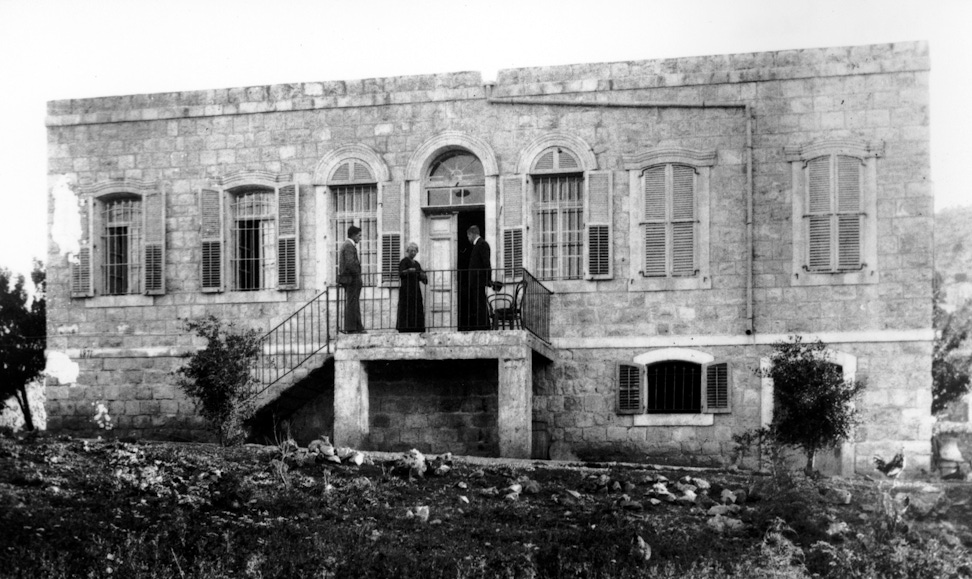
(122, 246)
(254, 259)
(357, 205)
(834, 211)
(558, 215)
(669, 223)
(834, 216)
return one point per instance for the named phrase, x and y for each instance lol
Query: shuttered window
(834, 218)
(669, 223)
(261, 225)
(123, 243)
(674, 387)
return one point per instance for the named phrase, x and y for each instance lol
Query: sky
(59, 49)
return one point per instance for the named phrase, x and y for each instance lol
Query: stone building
(655, 226)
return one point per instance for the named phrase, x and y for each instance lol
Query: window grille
(674, 387)
(122, 243)
(558, 218)
(357, 205)
(254, 260)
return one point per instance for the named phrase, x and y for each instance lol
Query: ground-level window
(673, 387)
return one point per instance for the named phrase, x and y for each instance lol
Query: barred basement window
(674, 387)
(122, 246)
(254, 259)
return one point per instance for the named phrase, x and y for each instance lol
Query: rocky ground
(108, 508)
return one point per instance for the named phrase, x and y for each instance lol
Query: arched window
(123, 240)
(455, 178)
(558, 215)
(355, 190)
(249, 233)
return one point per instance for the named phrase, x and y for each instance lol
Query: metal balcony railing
(284, 348)
(463, 300)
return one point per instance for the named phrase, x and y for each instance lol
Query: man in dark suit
(473, 312)
(349, 276)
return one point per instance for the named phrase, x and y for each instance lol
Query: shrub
(218, 377)
(813, 407)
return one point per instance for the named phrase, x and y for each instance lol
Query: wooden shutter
(288, 237)
(655, 216)
(211, 236)
(81, 280)
(391, 231)
(819, 222)
(153, 226)
(849, 219)
(391, 255)
(630, 391)
(512, 188)
(717, 395)
(513, 253)
(683, 221)
(598, 205)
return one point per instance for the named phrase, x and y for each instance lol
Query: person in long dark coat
(349, 276)
(411, 310)
(473, 311)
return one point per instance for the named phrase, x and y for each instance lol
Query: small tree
(22, 337)
(218, 378)
(951, 359)
(813, 402)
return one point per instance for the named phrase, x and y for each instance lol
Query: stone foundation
(434, 406)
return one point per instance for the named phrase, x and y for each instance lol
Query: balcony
(450, 301)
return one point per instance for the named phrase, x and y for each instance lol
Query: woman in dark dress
(411, 312)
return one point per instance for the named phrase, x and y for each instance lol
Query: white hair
(410, 245)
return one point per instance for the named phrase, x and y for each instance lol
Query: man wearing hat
(349, 276)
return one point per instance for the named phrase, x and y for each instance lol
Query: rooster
(893, 467)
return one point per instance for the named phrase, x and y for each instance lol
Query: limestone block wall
(435, 406)
(576, 398)
(743, 107)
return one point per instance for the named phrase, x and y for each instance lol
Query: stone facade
(751, 128)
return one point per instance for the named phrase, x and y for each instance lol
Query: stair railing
(291, 343)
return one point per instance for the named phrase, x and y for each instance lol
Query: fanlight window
(456, 178)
